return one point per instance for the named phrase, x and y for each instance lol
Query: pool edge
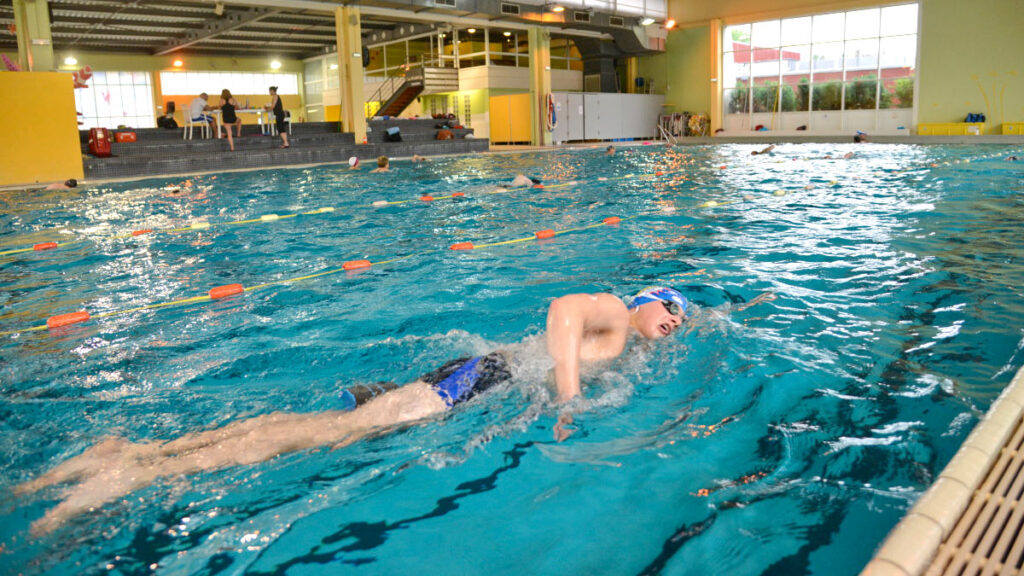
(913, 544)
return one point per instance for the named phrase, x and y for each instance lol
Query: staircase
(396, 93)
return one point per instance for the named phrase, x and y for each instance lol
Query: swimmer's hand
(561, 432)
(766, 297)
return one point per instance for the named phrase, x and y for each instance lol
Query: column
(540, 84)
(715, 102)
(632, 72)
(350, 71)
(35, 45)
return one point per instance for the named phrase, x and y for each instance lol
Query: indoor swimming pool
(785, 438)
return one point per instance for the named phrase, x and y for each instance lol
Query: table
(265, 126)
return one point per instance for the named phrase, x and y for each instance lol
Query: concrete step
(215, 161)
(180, 147)
(417, 136)
(148, 134)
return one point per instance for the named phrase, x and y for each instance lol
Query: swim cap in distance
(353, 161)
(662, 294)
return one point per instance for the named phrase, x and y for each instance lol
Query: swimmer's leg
(79, 466)
(121, 467)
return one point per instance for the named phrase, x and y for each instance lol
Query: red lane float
(45, 246)
(356, 264)
(66, 319)
(542, 234)
(461, 246)
(659, 173)
(141, 232)
(612, 220)
(225, 291)
(538, 185)
(427, 198)
(458, 194)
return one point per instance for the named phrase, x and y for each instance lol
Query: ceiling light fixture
(178, 63)
(670, 24)
(472, 30)
(70, 61)
(647, 21)
(507, 34)
(557, 8)
(274, 65)
(334, 66)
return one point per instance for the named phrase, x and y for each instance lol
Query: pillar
(35, 45)
(540, 84)
(350, 71)
(632, 73)
(715, 101)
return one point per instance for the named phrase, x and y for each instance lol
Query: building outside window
(828, 72)
(117, 98)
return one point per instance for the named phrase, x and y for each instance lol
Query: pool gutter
(970, 520)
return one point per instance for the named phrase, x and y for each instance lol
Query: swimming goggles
(673, 308)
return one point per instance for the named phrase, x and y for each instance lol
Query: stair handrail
(378, 94)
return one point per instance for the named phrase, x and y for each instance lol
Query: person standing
(228, 118)
(277, 109)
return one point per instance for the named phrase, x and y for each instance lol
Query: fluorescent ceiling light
(647, 21)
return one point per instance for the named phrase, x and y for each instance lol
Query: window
(117, 99)
(193, 83)
(861, 60)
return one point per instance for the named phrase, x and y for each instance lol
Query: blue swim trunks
(460, 380)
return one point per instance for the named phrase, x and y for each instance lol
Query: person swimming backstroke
(582, 329)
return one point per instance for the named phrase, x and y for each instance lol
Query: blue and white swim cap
(659, 294)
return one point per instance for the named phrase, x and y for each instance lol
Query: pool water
(787, 438)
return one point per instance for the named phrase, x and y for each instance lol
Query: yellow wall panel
(39, 128)
(500, 122)
(519, 110)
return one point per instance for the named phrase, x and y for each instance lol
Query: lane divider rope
(218, 292)
(201, 225)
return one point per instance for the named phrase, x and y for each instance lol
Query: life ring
(82, 76)
(551, 120)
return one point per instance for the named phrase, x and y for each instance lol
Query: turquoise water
(787, 438)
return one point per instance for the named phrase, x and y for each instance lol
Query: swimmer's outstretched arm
(764, 297)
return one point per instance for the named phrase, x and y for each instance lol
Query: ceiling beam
(231, 20)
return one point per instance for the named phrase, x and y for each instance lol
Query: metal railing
(389, 87)
(665, 135)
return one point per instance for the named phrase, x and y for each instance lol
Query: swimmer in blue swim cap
(581, 329)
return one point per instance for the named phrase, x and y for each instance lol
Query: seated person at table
(167, 120)
(198, 109)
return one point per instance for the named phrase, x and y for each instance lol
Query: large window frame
(188, 83)
(117, 98)
(823, 72)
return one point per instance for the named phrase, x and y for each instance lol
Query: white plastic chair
(271, 119)
(189, 123)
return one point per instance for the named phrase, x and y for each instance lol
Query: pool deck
(971, 520)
